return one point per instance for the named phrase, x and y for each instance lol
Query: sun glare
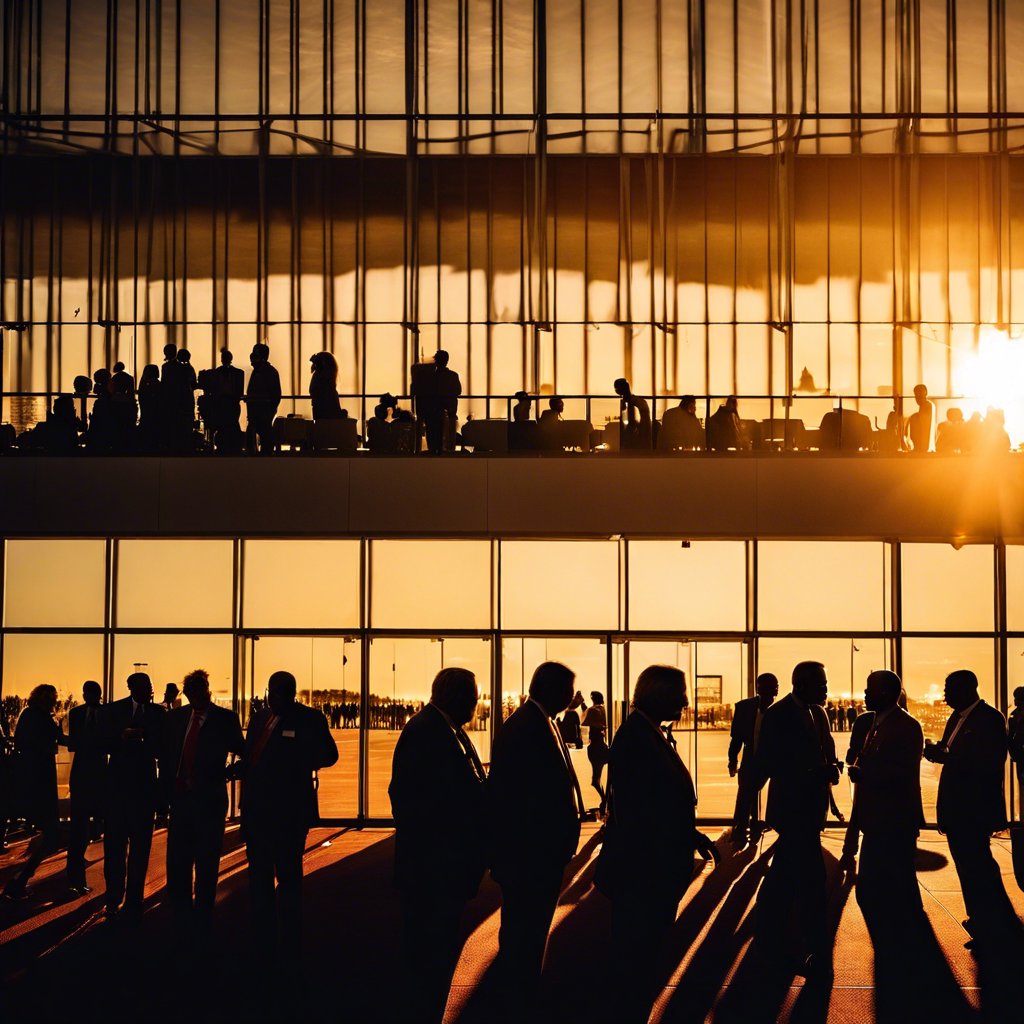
(993, 377)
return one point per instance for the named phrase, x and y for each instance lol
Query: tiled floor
(58, 955)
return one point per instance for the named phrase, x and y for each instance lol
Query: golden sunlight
(993, 377)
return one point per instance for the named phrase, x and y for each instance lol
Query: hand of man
(854, 773)
(732, 769)
(706, 848)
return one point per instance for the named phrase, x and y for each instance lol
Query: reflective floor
(58, 953)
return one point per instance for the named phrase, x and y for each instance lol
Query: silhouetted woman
(36, 737)
(323, 387)
(149, 408)
(595, 719)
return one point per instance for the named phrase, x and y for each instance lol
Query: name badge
(289, 733)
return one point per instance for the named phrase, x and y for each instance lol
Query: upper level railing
(568, 423)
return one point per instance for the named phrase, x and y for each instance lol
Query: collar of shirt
(543, 710)
(968, 710)
(444, 714)
(199, 715)
(656, 727)
(799, 703)
(881, 716)
(135, 706)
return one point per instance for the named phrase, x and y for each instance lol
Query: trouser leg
(527, 909)
(988, 906)
(181, 847)
(140, 842)
(45, 842)
(430, 950)
(209, 841)
(259, 854)
(78, 839)
(639, 929)
(745, 813)
(115, 853)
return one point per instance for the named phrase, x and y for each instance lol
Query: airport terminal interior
(813, 208)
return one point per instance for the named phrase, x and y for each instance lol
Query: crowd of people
(109, 414)
(135, 759)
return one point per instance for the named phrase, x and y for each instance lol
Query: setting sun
(993, 377)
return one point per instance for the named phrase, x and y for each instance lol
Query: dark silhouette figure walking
(437, 798)
(534, 811)
(285, 744)
(88, 780)
(745, 735)
(228, 404)
(595, 720)
(797, 755)
(36, 738)
(199, 740)
(635, 417)
(134, 736)
(263, 396)
(647, 859)
(971, 805)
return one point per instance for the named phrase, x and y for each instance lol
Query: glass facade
(365, 624)
(715, 198)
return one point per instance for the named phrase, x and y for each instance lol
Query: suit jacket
(86, 742)
(744, 718)
(858, 734)
(971, 795)
(534, 821)
(132, 769)
(220, 735)
(795, 753)
(437, 798)
(35, 765)
(650, 837)
(889, 791)
(277, 788)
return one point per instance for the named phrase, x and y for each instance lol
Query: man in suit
(971, 805)
(437, 798)
(262, 399)
(285, 743)
(199, 739)
(647, 859)
(887, 774)
(534, 811)
(88, 780)
(797, 754)
(133, 730)
(744, 736)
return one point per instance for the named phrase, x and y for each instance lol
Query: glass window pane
(301, 584)
(174, 583)
(926, 663)
(1015, 587)
(54, 583)
(699, 586)
(560, 584)
(821, 585)
(947, 590)
(66, 660)
(444, 584)
(328, 673)
(169, 657)
(401, 673)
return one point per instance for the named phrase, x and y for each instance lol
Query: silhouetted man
(228, 403)
(858, 735)
(971, 805)
(919, 425)
(635, 417)
(285, 743)
(535, 828)
(887, 774)
(199, 739)
(797, 754)
(437, 403)
(747, 719)
(1015, 740)
(133, 729)
(437, 798)
(680, 427)
(647, 858)
(262, 399)
(88, 781)
(724, 430)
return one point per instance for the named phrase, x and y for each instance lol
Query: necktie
(140, 713)
(577, 792)
(186, 767)
(471, 754)
(261, 742)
